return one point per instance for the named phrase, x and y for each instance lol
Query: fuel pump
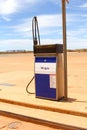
(48, 68)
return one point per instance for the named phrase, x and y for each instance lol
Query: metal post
(64, 46)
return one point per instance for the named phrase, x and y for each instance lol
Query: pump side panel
(43, 87)
(45, 77)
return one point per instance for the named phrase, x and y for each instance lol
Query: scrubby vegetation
(24, 51)
(15, 52)
(78, 50)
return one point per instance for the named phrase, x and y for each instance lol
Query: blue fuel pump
(48, 71)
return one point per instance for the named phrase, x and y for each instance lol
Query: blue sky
(16, 18)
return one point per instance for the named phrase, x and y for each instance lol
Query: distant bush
(24, 51)
(78, 50)
(15, 52)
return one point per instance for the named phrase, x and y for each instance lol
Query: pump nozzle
(35, 31)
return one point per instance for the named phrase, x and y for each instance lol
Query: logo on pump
(45, 68)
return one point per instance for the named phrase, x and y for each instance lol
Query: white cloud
(30, 1)
(51, 41)
(77, 43)
(44, 21)
(76, 33)
(16, 44)
(26, 44)
(8, 6)
(24, 27)
(23, 44)
(50, 20)
(6, 18)
(84, 5)
(48, 25)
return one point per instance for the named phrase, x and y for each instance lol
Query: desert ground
(16, 70)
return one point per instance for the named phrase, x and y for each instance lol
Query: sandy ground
(77, 72)
(21, 67)
(16, 70)
(9, 123)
